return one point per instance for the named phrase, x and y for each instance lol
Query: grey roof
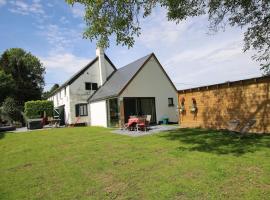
(118, 80)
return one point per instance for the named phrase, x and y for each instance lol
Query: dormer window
(91, 86)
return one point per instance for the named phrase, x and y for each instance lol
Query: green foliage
(27, 72)
(6, 85)
(46, 94)
(11, 109)
(120, 18)
(35, 109)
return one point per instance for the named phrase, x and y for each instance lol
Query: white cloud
(60, 38)
(64, 20)
(64, 61)
(3, 2)
(191, 56)
(23, 8)
(78, 10)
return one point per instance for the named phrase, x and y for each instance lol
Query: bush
(11, 109)
(35, 109)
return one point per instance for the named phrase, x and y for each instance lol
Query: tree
(27, 72)
(46, 94)
(121, 19)
(6, 85)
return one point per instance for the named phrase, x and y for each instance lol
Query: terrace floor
(152, 130)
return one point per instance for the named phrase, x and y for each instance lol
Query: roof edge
(150, 56)
(104, 98)
(138, 71)
(229, 83)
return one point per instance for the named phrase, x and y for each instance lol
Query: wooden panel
(217, 106)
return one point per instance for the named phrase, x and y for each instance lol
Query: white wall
(62, 98)
(77, 94)
(152, 82)
(98, 113)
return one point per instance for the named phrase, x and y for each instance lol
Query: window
(94, 86)
(65, 91)
(91, 86)
(88, 86)
(81, 110)
(170, 102)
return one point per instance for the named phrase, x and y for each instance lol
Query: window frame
(91, 86)
(170, 102)
(84, 110)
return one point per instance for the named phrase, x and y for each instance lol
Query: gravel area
(153, 129)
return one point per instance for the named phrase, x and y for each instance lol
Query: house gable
(152, 81)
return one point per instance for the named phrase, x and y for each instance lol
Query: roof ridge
(148, 55)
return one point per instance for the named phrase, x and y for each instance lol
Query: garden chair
(142, 124)
(148, 121)
(233, 124)
(248, 126)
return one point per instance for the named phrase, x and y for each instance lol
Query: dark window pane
(88, 86)
(170, 102)
(94, 86)
(77, 110)
(81, 109)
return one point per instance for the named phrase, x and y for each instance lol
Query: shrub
(11, 109)
(35, 109)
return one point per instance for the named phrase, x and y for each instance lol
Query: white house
(101, 95)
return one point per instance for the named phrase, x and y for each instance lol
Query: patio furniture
(55, 123)
(132, 121)
(148, 120)
(141, 124)
(248, 126)
(7, 128)
(233, 124)
(35, 123)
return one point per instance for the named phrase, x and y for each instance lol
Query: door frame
(153, 98)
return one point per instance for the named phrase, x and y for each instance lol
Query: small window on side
(87, 86)
(94, 86)
(170, 102)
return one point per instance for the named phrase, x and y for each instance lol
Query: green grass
(92, 163)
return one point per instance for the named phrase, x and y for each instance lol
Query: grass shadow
(217, 142)
(2, 135)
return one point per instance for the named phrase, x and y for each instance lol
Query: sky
(190, 54)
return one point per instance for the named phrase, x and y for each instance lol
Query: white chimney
(101, 65)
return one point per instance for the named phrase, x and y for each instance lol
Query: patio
(152, 130)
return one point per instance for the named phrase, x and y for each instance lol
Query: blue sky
(52, 30)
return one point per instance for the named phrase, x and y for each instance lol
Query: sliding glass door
(140, 106)
(113, 112)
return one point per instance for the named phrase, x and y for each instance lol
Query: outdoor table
(133, 120)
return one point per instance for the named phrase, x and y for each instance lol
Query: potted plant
(193, 107)
(182, 105)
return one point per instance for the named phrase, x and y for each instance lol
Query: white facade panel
(99, 113)
(152, 82)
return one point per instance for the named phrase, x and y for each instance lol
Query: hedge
(35, 109)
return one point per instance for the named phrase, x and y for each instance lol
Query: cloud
(59, 38)
(66, 62)
(191, 56)
(78, 10)
(23, 8)
(3, 2)
(64, 20)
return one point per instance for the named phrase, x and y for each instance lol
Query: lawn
(92, 163)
